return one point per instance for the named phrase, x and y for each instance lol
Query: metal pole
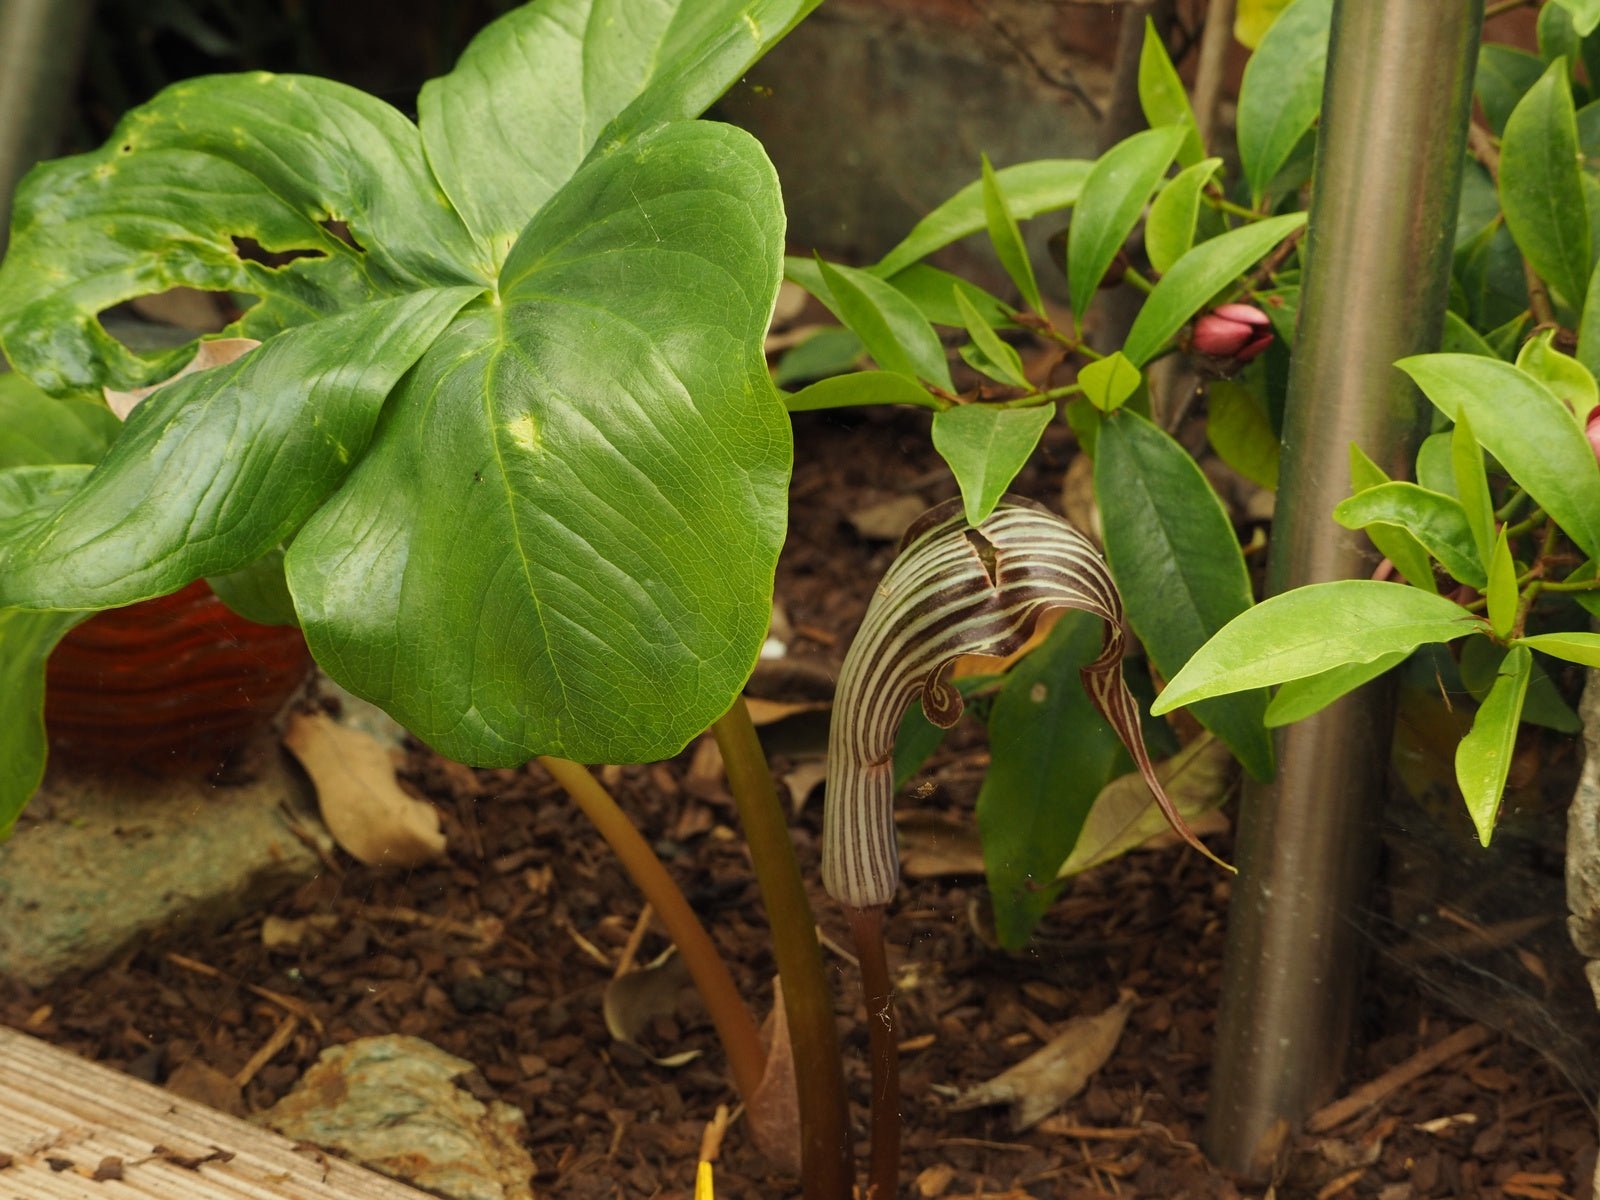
(1389, 153)
(41, 42)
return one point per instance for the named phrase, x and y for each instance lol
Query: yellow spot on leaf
(524, 432)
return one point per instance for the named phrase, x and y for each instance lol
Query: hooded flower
(1236, 331)
(1592, 428)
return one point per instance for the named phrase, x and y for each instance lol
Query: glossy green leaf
(539, 91)
(1006, 239)
(1434, 519)
(1397, 545)
(563, 535)
(1562, 374)
(1162, 95)
(1031, 188)
(1541, 186)
(1557, 36)
(986, 447)
(897, 336)
(1169, 229)
(827, 352)
(1252, 19)
(1589, 325)
(1471, 481)
(859, 389)
(161, 204)
(258, 591)
(1504, 76)
(1543, 705)
(1461, 338)
(1197, 277)
(1281, 92)
(1583, 648)
(1300, 698)
(1436, 472)
(1313, 629)
(1050, 754)
(1113, 197)
(26, 640)
(39, 428)
(1494, 281)
(207, 476)
(1531, 432)
(1110, 382)
(1501, 592)
(1240, 431)
(929, 289)
(1483, 759)
(1585, 15)
(1003, 361)
(1178, 565)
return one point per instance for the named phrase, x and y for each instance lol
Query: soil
(501, 953)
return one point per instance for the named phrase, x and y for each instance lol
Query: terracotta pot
(174, 683)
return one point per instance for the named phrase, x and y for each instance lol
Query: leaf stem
(883, 1041)
(826, 1147)
(741, 1040)
(1221, 203)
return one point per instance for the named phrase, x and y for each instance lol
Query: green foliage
(1541, 185)
(985, 448)
(1282, 91)
(480, 343)
(1109, 206)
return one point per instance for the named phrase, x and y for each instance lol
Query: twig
(630, 949)
(288, 1003)
(269, 1049)
(1371, 1094)
(1054, 78)
(1214, 44)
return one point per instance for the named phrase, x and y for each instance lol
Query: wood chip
(1370, 1095)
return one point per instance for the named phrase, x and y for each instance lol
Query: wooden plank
(69, 1128)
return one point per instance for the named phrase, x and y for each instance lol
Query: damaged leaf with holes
(509, 411)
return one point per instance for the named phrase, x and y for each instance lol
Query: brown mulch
(500, 954)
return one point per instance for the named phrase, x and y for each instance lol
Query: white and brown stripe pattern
(955, 589)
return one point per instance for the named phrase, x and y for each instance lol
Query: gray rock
(99, 863)
(395, 1104)
(1583, 850)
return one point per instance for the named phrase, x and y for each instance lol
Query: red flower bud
(1592, 428)
(1236, 331)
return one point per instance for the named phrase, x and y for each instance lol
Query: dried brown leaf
(215, 353)
(632, 1001)
(362, 803)
(773, 1110)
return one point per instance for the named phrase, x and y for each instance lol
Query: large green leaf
(548, 84)
(1006, 238)
(1314, 629)
(1524, 425)
(894, 331)
(1503, 77)
(38, 428)
(1585, 15)
(1397, 545)
(1300, 698)
(1483, 759)
(1581, 648)
(1178, 565)
(270, 158)
(931, 290)
(1050, 754)
(213, 471)
(1198, 276)
(1031, 188)
(861, 388)
(1282, 90)
(26, 640)
(1162, 95)
(1169, 229)
(1239, 429)
(1541, 186)
(1434, 519)
(1113, 197)
(986, 447)
(563, 537)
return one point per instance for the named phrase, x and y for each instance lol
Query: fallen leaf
(1125, 815)
(773, 1109)
(215, 353)
(1056, 1072)
(1077, 498)
(934, 845)
(804, 779)
(887, 520)
(199, 1081)
(630, 1002)
(769, 712)
(362, 803)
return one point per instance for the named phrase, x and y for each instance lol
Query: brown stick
(736, 1028)
(269, 1049)
(1380, 1089)
(883, 1041)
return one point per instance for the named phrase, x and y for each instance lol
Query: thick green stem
(824, 1126)
(883, 1041)
(741, 1040)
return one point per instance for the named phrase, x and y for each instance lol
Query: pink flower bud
(1592, 428)
(1236, 331)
